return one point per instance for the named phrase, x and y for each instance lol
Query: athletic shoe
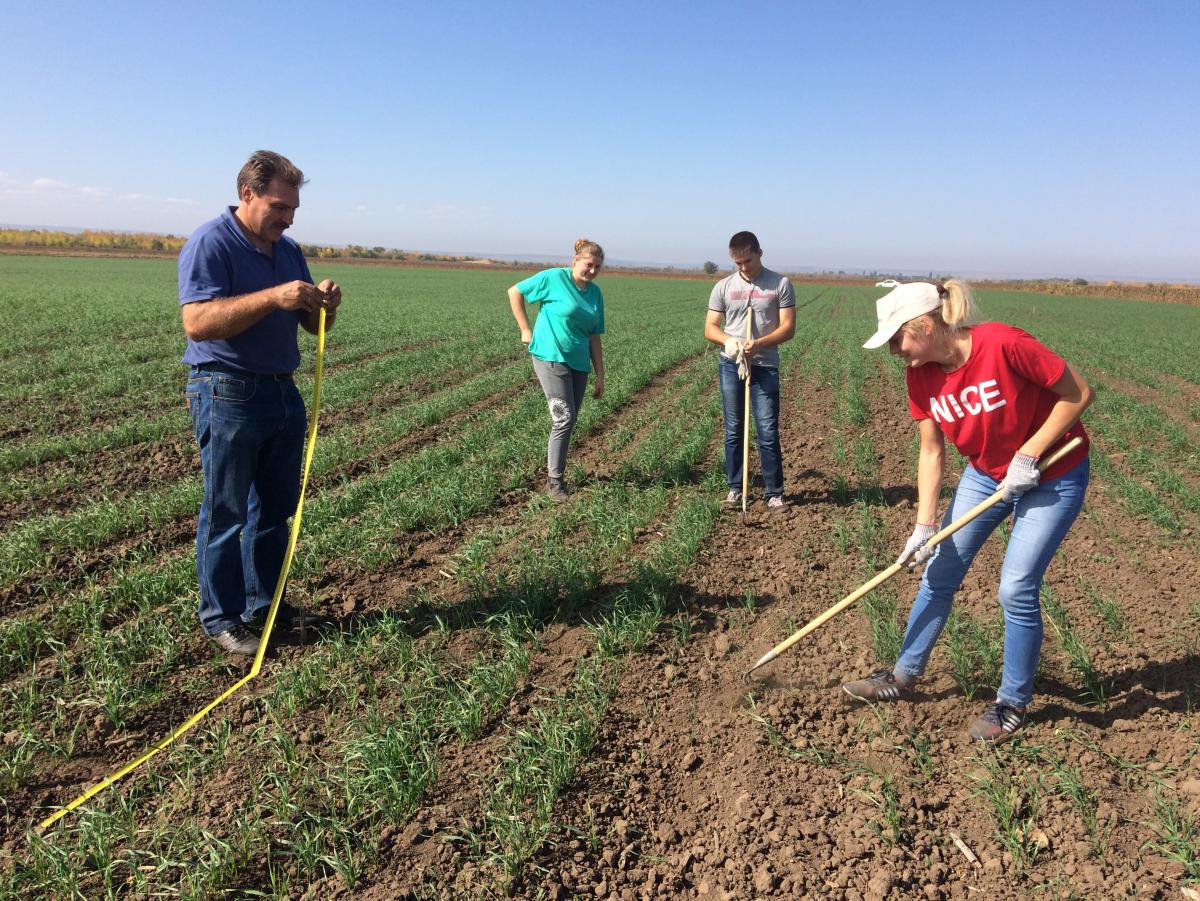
(555, 489)
(998, 723)
(881, 685)
(733, 498)
(776, 505)
(238, 640)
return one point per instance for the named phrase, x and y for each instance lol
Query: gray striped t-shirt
(767, 294)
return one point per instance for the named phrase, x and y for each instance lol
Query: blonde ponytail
(587, 247)
(958, 304)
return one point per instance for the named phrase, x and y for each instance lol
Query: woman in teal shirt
(564, 345)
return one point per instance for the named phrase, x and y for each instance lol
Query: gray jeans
(564, 388)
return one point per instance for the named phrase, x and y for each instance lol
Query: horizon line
(862, 271)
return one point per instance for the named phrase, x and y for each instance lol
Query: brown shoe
(556, 490)
(238, 640)
(998, 723)
(881, 685)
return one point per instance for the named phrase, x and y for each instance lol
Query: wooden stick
(962, 846)
(746, 411)
(882, 577)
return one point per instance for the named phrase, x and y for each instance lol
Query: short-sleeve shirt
(566, 319)
(218, 261)
(766, 295)
(1000, 396)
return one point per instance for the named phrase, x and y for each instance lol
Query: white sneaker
(733, 498)
(776, 505)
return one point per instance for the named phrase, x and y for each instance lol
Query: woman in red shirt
(1003, 399)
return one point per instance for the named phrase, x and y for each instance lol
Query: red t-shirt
(990, 405)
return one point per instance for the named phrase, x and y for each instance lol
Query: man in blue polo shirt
(243, 290)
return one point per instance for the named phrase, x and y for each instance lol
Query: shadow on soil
(1169, 685)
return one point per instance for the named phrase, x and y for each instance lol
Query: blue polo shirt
(217, 261)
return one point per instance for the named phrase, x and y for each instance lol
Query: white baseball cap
(900, 305)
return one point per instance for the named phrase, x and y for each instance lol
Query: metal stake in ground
(746, 409)
(882, 577)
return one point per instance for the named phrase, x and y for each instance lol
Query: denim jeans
(564, 388)
(1041, 519)
(250, 431)
(764, 400)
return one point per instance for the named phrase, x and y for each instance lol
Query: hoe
(886, 574)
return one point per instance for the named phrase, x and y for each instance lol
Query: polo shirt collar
(235, 228)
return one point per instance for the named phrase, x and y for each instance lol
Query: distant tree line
(358, 252)
(91, 240)
(94, 240)
(1160, 292)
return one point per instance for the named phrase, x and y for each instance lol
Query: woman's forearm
(931, 466)
(516, 303)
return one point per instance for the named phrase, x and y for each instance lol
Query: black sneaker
(881, 685)
(238, 640)
(998, 723)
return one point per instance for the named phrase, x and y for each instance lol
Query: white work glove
(735, 350)
(1021, 476)
(915, 551)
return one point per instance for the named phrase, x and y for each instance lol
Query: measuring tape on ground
(310, 443)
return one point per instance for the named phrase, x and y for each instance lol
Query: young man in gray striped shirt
(768, 297)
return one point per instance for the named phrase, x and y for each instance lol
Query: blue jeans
(764, 400)
(250, 431)
(1041, 519)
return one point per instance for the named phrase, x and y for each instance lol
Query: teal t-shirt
(566, 320)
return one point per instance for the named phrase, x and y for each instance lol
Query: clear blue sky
(967, 138)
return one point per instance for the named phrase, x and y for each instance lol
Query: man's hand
(332, 292)
(301, 296)
(915, 551)
(751, 347)
(598, 390)
(735, 350)
(526, 336)
(1021, 476)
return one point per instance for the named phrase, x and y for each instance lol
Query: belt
(242, 374)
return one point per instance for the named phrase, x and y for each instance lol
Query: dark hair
(744, 241)
(262, 167)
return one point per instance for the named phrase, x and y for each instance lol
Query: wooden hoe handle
(746, 414)
(882, 577)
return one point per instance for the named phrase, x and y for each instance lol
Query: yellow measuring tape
(310, 443)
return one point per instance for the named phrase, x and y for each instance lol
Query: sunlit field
(547, 700)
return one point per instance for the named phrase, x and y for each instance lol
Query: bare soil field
(705, 785)
(697, 783)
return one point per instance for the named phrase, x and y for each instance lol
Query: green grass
(975, 651)
(1015, 798)
(1076, 649)
(434, 431)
